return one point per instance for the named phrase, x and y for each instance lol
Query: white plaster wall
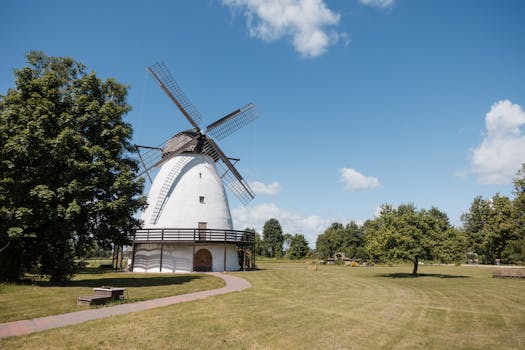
(182, 208)
(217, 252)
(179, 257)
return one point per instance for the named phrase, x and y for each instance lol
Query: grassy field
(290, 307)
(41, 298)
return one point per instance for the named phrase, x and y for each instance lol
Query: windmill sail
(163, 76)
(232, 122)
(231, 177)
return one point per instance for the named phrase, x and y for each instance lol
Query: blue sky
(361, 102)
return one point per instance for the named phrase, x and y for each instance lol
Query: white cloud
(378, 3)
(291, 222)
(355, 181)
(502, 151)
(307, 22)
(267, 189)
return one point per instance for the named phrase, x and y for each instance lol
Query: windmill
(187, 225)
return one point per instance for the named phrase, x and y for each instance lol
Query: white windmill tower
(187, 225)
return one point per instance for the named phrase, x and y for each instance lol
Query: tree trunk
(113, 256)
(416, 264)
(117, 252)
(120, 258)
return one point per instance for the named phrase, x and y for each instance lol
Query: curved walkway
(22, 327)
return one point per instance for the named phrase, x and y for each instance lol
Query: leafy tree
(298, 247)
(258, 243)
(473, 223)
(493, 228)
(516, 248)
(498, 230)
(331, 241)
(452, 242)
(94, 251)
(353, 245)
(338, 238)
(407, 234)
(66, 178)
(272, 238)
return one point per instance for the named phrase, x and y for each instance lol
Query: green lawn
(41, 298)
(336, 307)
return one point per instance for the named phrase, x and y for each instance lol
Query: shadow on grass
(94, 271)
(409, 275)
(123, 282)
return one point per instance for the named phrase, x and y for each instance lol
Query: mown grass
(35, 298)
(290, 307)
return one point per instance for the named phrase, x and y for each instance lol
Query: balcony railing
(166, 235)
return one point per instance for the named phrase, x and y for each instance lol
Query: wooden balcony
(194, 235)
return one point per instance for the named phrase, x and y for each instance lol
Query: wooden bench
(101, 296)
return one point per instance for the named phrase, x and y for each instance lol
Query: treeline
(275, 244)
(493, 231)
(407, 234)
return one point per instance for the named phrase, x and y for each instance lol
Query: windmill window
(201, 199)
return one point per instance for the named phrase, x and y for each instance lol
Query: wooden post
(224, 250)
(193, 256)
(244, 258)
(161, 253)
(253, 256)
(161, 248)
(133, 251)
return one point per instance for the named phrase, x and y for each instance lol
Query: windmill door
(202, 261)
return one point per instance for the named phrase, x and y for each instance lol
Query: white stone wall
(179, 257)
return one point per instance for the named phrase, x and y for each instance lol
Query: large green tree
(338, 238)
(404, 233)
(354, 241)
(516, 248)
(298, 247)
(494, 228)
(473, 223)
(330, 241)
(498, 231)
(66, 177)
(273, 238)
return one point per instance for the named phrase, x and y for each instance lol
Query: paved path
(22, 327)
